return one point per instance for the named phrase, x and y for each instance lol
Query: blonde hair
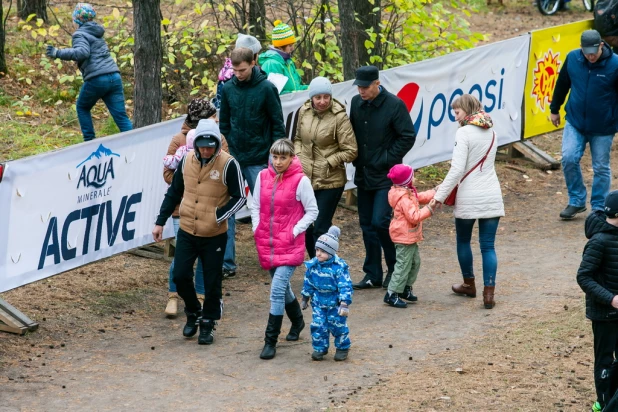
(468, 104)
(283, 147)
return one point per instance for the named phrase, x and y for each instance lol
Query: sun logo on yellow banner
(545, 76)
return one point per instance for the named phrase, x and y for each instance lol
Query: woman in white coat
(478, 197)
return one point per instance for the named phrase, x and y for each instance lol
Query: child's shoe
(318, 356)
(190, 328)
(596, 407)
(207, 332)
(392, 299)
(341, 354)
(408, 295)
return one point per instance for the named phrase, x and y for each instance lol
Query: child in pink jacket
(172, 161)
(406, 230)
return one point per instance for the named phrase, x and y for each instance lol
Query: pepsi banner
(494, 73)
(63, 209)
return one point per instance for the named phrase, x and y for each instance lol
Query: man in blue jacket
(99, 71)
(591, 74)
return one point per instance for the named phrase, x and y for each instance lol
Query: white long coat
(479, 196)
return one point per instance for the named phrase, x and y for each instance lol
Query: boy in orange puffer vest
(406, 231)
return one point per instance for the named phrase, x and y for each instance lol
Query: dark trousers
(210, 250)
(605, 368)
(374, 215)
(327, 200)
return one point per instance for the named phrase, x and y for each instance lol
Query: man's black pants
(605, 368)
(211, 251)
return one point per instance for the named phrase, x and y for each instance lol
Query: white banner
(63, 209)
(494, 73)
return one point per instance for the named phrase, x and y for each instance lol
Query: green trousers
(406, 268)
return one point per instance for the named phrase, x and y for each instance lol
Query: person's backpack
(606, 17)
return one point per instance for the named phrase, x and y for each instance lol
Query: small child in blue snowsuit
(329, 287)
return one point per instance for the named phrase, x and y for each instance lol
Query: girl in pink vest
(283, 208)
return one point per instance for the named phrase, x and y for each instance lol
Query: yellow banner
(548, 49)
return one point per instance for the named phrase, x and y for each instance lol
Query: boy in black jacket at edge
(598, 277)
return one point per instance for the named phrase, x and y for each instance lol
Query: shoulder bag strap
(480, 163)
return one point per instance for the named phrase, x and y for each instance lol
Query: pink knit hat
(401, 175)
(190, 139)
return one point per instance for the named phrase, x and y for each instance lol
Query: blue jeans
(487, 238)
(374, 215)
(573, 146)
(199, 274)
(109, 88)
(280, 289)
(250, 174)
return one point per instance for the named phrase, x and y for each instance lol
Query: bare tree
(257, 19)
(147, 56)
(3, 67)
(27, 7)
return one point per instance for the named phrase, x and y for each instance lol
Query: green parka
(324, 142)
(271, 62)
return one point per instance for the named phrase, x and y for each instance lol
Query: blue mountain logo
(99, 153)
(96, 175)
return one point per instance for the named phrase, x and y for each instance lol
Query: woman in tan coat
(324, 142)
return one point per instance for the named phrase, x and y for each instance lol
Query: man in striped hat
(278, 58)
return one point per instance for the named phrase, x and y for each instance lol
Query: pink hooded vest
(279, 213)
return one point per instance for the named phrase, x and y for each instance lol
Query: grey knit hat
(250, 42)
(320, 85)
(329, 242)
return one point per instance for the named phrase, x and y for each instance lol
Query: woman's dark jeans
(487, 237)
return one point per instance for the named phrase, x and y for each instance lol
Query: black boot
(207, 332)
(295, 314)
(408, 294)
(341, 355)
(190, 328)
(271, 336)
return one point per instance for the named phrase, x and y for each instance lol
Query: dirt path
(104, 344)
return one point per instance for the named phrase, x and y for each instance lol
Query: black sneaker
(387, 280)
(228, 273)
(408, 295)
(341, 355)
(392, 299)
(366, 283)
(570, 211)
(318, 356)
(207, 332)
(190, 328)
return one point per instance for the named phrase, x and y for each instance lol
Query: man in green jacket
(278, 59)
(250, 117)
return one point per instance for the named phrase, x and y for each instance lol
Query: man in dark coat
(384, 134)
(250, 118)
(598, 277)
(591, 75)
(99, 71)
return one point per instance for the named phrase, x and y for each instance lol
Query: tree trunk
(27, 7)
(348, 38)
(147, 93)
(368, 19)
(3, 69)
(257, 19)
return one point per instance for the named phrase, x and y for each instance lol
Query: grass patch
(122, 301)
(432, 174)
(22, 138)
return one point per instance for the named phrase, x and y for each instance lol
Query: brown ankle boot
(467, 288)
(488, 297)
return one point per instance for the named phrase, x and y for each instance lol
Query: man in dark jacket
(99, 71)
(384, 134)
(210, 186)
(591, 74)
(598, 277)
(250, 118)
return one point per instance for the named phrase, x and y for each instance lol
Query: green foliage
(415, 30)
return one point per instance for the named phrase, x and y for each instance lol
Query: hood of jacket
(596, 223)
(257, 76)
(199, 137)
(268, 55)
(395, 194)
(93, 29)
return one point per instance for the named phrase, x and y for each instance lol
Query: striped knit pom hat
(282, 34)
